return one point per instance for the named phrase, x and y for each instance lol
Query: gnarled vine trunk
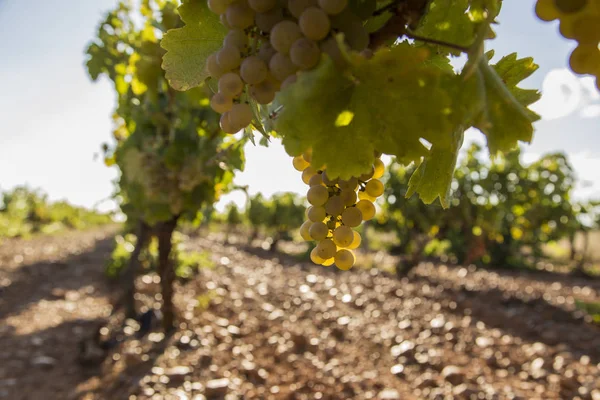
(128, 275)
(166, 270)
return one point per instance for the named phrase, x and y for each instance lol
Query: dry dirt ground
(264, 326)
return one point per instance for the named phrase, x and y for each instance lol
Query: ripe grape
(307, 174)
(305, 53)
(296, 7)
(213, 68)
(230, 84)
(267, 20)
(364, 196)
(374, 188)
(261, 6)
(221, 103)
(343, 236)
(281, 66)
(236, 38)
(570, 6)
(223, 19)
(253, 70)
(318, 231)
(264, 92)
(378, 169)
(266, 52)
(350, 184)
(307, 155)
(314, 257)
(355, 241)
(304, 230)
(240, 15)
(283, 35)
(314, 23)
(344, 259)
(229, 58)
(546, 10)
(299, 163)
(317, 195)
(328, 263)
(225, 124)
(218, 6)
(326, 249)
(367, 209)
(352, 217)
(317, 214)
(585, 59)
(333, 6)
(586, 29)
(315, 180)
(348, 197)
(288, 81)
(335, 205)
(240, 115)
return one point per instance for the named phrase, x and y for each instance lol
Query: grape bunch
(337, 206)
(579, 20)
(268, 44)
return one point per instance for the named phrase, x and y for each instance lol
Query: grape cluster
(579, 20)
(268, 44)
(337, 206)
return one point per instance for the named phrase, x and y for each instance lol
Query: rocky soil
(265, 326)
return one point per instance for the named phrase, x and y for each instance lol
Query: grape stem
(460, 48)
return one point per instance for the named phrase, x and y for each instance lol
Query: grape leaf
(386, 103)
(433, 176)
(449, 21)
(502, 113)
(189, 47)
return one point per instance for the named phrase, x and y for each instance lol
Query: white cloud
(564, 94)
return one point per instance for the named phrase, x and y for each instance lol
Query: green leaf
(448, 20)
(433, 177)
(189, 47)
(386, 103)
(502, 113)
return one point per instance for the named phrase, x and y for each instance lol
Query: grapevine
(343, 81)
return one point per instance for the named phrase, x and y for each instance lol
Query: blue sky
(54, 119)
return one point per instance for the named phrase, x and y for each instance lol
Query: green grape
(333, 7)
(546, 10)
(288, 81)
(348, 196)
(316, 214)
(378, 169)
(229, 58)
(328, 263)
(314, 23)
(316, 180)
(355, 34)
(307, 174)
(586, 29)
(225, 124)
(334, 206)
(267, 20)
(230, 84)
(240, 16)
(318, 231)
(355, 241)
(223, 18)
(283, 35)
(374, 188)
(253, 70)
(281, 66)
(261, 6)
(570, 6)
(266, 52)
(236, 38)
(305, 53)
(344, 259)
(304, 230)
(299, 163)
(343, 236)
(364, 196)
(296, 7)
(317, 195)
(585, 59)
(327, 181)
(326, 249)
(315, 258)
(352, 217)
(351, 184)
(367, 209)
(218, 6)
(264, 92)
(213, 68)
(240, 115)
(365, 177)
(307, 155)
(221, 103)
